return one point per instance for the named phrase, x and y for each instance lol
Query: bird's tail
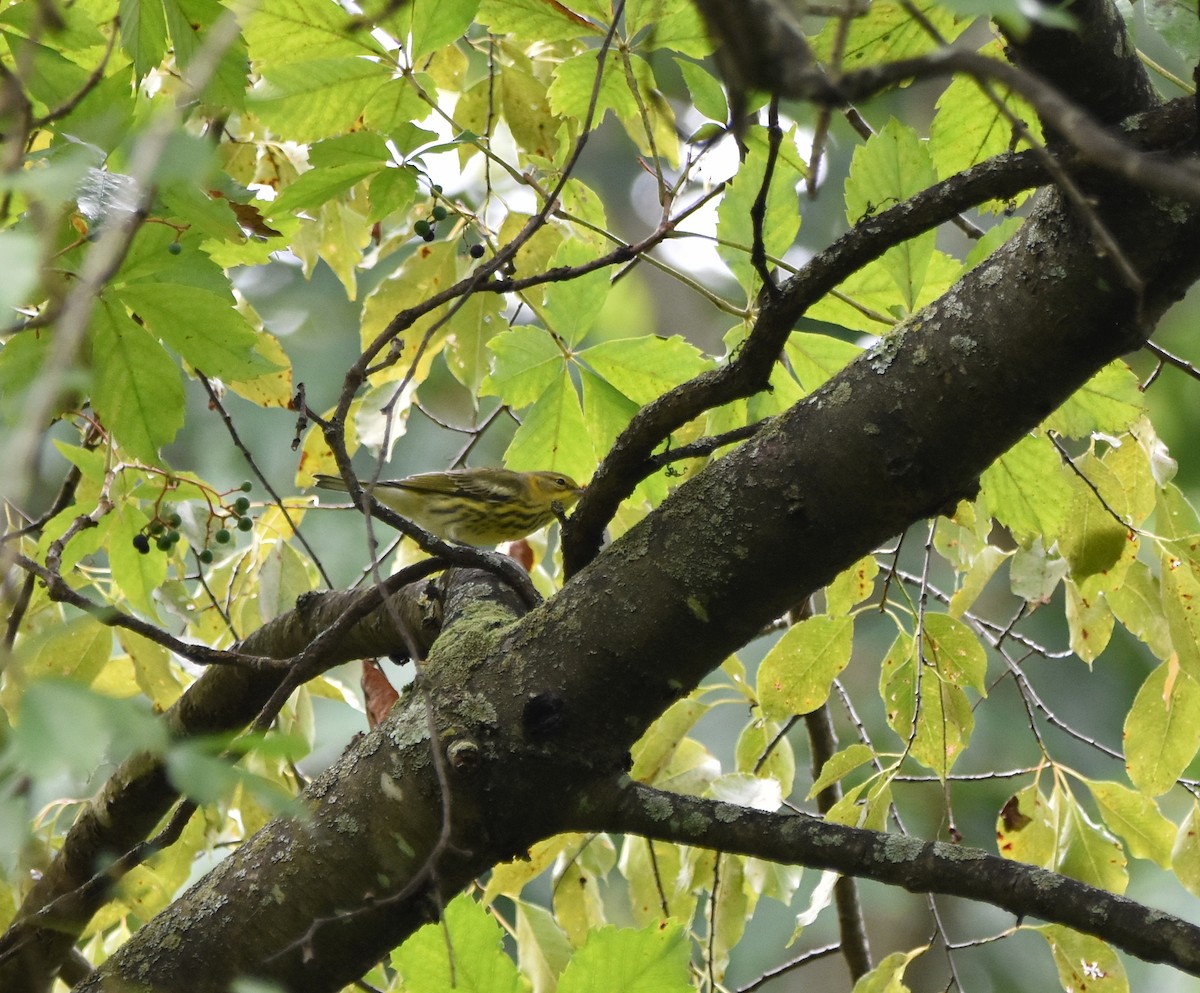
(323, 482)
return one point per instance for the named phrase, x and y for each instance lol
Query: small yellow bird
(474, 506)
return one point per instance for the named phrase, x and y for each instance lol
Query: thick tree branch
(900, 433)
(749, 372)
(918, 866)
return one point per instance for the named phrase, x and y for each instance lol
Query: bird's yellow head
(554, 487)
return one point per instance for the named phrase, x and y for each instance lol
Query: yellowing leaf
(798, 671)
(1086, 851)
(1137, 819)
(1090, 622)
(1027, 828)
(1185, 854)
(1162, 729)
(888, 976)
(1084, 962)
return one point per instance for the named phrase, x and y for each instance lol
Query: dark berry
(436, 188)
(174, 520)
(174, 248)
(157, 527)
(141, 543)
(438, 213)
(247, 486)
(222, 537)
(477, 251)
(206, 556)
(163, 544)
(245, 524)
(422, 229)
(241, 505)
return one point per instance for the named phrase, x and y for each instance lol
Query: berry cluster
(426, 230)
(164, 529)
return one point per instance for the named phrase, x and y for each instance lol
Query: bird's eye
(561, 481)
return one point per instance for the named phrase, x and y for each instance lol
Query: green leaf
(528, 360)
(143, 33)
(643, 369)
(650, 960)
(304, 101)
(888, 31)
(542, 949)
(656, 873)
(282, 31)
(706, 91)
(137, 576)
(841, 764)
(429, 271)
(435, 23)
(889, 168)
(152, 668)
(673, 24)
(317, 186)
(534, 20)
(1137, 819)
(969, 128)
(572, 306)
(1028, 491)
(19, 256)
(472, 328)
(203, 327)
(982, 568)
(781, 222)
(578, 900)
(796, 675)
(189, 22)
(479, 964)
(1162, 729)
(817, 358)
(607, 411)
(570, 94)
(1110, 403)
(62, 726)
(138, 393)
(534, 125)
(1175, 20)
(1084, 962)
(552, 434)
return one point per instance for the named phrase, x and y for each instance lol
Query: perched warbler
(474, 506)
